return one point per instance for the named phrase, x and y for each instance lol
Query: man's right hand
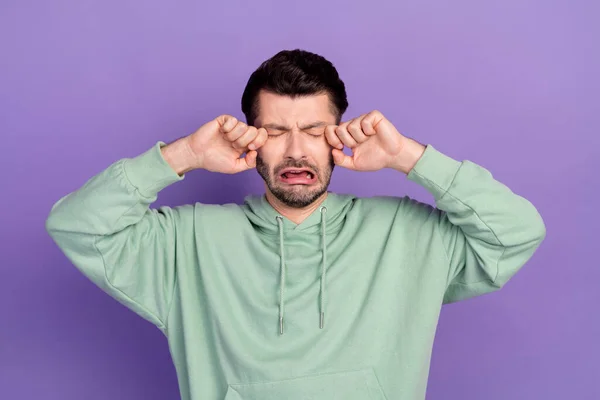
(217, 146)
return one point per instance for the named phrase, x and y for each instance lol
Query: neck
(296, 215)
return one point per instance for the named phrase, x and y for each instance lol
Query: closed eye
(315, 132)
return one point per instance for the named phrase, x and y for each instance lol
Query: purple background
(512, 85)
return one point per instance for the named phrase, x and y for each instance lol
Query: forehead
(285, 110)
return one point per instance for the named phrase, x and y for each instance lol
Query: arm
(488, 232)
(108, 231)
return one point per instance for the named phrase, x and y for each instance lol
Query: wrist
(409, 156)
(180, 156)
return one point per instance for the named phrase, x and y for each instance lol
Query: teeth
(291, 173)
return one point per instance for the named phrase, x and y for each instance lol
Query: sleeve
(488, 232)
(107, 230)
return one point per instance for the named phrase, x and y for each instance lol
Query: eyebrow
(279, 127)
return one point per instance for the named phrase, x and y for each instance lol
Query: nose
(296, 146)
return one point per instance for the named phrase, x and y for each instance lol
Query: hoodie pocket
(347, 385)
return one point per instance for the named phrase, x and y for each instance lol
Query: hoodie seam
(448, 259)
(99, 237)
(141, 191)
(378, 383)
(162, 325)
(502, 246)
(449, 263)
(175, 283)
(447, 192)
(175, 286)
(304, 377)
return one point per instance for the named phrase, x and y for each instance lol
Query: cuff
(435, 171)
(149, 172)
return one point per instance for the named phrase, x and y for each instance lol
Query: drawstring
(282, 277)
(279, 218)
(323, 265)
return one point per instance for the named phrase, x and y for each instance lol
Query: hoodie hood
(328, 218)
(264, 217)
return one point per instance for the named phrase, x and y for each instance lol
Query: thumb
(342, 159)
(248, 162)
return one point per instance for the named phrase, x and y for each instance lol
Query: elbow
(52, 224)
(528, 227)
(55, 221)
(537, 228)
(541, 232)
(519, 252)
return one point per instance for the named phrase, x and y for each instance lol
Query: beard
(296, 196)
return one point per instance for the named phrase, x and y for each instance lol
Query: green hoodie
(341, 306)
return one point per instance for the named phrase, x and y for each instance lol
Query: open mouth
(293, 176)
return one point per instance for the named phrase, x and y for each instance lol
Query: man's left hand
(375, 144)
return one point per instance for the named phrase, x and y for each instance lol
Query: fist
(375, 143)
(219, 144)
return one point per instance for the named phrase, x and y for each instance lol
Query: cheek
(270, 154)
(322, 152)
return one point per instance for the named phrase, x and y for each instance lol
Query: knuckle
(231, 135)
(242, 141)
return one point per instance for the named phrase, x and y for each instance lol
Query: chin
(298, 196)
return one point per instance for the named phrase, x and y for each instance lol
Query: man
(301, 293)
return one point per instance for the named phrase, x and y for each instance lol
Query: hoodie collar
(261, 213)
(326, 218)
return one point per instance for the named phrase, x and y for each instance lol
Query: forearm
(479, 204)
(487, 231)
(109, 232)
(125, 188)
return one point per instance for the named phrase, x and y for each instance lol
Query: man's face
(296, 161)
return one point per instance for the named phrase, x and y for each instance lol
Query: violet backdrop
(512, 85)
